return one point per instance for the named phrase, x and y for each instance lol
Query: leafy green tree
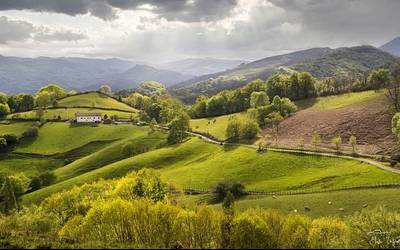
(47, 178)
(224, 187)
(216, 105)
(3, 145)
(228, 201)
(258, 99)
(233, 129)
(199, 108)
(249, 129)
(4, 109)
(153, 124)
(43, 99)
(54, 91)
(353, 142)
(274, 119)
(278, 85)
(379, 78)
(27, 102)
(152, 88)
(11, 139)
(178, 128)
(11, 188)
(3, 98)
(337, 141)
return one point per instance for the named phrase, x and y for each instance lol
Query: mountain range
(200, 66)
(29, 74)
(392, 47)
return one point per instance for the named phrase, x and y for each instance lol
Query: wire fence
(194, 191)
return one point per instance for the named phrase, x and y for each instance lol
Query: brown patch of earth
(369, 121)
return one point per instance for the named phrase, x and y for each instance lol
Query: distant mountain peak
(392, 46)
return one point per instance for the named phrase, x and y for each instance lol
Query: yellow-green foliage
(97, 215)
(328, 233)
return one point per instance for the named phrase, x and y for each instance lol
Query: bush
(375, 228)
(31, 132)
(328, 233)
(225, 187)
(11, 139)
(3, 145)
(295, 231)
(249, 130)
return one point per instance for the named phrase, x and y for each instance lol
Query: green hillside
(69, 113)
(94, 100)
(198, 164)
(17, 128)
(29, 166)
(339, 101)
(215, 126)
(58, 137)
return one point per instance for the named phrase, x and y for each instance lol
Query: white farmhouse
(88, 117)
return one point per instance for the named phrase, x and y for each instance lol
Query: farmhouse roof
(87, 114)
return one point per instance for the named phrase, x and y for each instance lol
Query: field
(69, 113)
(94, 100)
(17, 128)
(364, 115)
(339, 101)
(202, 165)
(215, 126)
(29, 166)
(60, 137)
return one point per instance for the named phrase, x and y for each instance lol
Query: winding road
(360, 159)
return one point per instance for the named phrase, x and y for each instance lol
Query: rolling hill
(321, 62)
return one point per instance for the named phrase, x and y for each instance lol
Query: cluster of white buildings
(88, 117)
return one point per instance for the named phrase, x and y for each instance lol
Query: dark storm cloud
(182, 10)
(19, 31)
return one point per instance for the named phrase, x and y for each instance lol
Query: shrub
(249, 130)
(225, 187)
(11, 139)
(295, 231)
(375, 228)
(31, 132)
(328, 233)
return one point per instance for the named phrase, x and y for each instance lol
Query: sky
(167, 30)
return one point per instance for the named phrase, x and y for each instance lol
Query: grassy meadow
(60, 137)
(94, 100)
(16, 128)
(29, 166)
(202, 165)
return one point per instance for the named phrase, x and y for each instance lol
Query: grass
(338, 101)
(350, 200)
(28, 165)
(17, 128)
(110, 153)
(69, 113)
(215, 126)
(94, 99)
(199, 164)
(60, 137)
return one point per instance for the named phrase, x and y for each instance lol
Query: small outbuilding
(88, 117)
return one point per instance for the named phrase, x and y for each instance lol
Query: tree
(3, 145)
(249, 129)
(105, 89)
(43, 99)
(11, 139)
(228, 201)
(216, 105)
(3, 98)
(337, 141)
(224, 187)
(153, 124)
(353, 142)
(4, 109)
(316, 139)
(152, 88)
(199, 108)
(258, 99)
(379, 78)
(27, 103)
(31, 132)
(274, 119)
(47, 178)
(233, 129)
(39, 113)
(178, 128)
(11, 188)
(393, 88)
(55, 92)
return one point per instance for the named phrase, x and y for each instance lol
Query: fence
(192, 190)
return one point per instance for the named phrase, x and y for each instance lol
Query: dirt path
(360, 159)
